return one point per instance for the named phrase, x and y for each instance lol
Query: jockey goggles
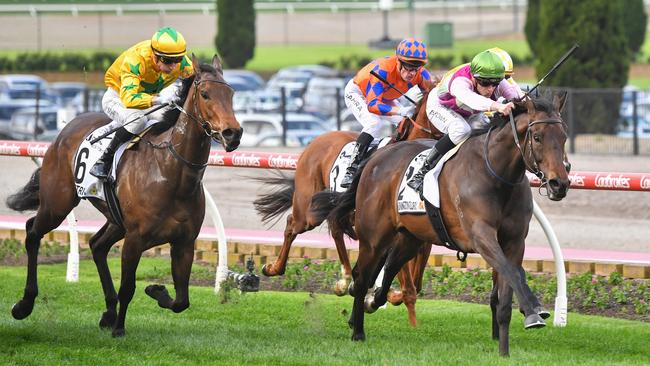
(167, 60)
(411, 67)
(488, 82)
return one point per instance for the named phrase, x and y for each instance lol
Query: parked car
(295, 138)
(314, 70)
(252, 79)
(24, 121)
(258, 125)
(626, 127)
(8, 108)
(270, 100)
(321, 94)
(292, 77)
(23, 86)
(66, 91)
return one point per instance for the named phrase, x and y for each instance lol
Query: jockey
(374, 103)
(464, 91)
(508, 72)
(134, 82)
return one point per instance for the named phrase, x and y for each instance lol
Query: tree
(532, 24)
(235, 40)
(635, 23)
(602, 61)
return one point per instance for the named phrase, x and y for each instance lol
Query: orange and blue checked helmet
(412, 50)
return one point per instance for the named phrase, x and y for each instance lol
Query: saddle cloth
(86, 156)
(342, 162)
(408, 200)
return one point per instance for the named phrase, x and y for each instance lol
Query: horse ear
(216, 62)
(195, 65)
(559, 101)
(530, 106)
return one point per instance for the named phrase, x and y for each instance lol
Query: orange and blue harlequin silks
(380, 96)
(412, 49)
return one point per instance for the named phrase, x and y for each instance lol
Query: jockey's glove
(406, 111)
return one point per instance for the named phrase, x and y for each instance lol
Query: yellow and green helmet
(506, 59)
(168, 42)
(487, 65)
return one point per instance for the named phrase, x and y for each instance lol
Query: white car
(258, 125)
(24, 121)
(321, 94)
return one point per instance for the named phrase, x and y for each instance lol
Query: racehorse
(485, 201)
(159, 188)
(312, 176)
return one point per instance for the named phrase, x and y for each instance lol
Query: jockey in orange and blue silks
(463, 92)
(134, 83)
(374, 103)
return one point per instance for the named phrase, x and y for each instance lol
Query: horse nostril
(227, 133)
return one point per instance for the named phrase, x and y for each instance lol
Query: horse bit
(527, 144)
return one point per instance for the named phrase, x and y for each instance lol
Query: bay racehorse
(485, 201)
(158, 186)
(312, 176)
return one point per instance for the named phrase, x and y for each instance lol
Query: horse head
(544, 136)
(212, 103)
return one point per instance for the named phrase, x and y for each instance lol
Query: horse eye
(205, 95)
(537, 138)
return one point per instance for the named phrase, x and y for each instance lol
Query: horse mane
(171, 115)
(541, 104)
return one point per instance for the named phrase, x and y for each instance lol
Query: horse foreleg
(280, 264)
(130, 259)
(341, 287)
(494, 302)
(182, 257)
(100, 245)
(408, 293)
(398, 256)
(503, 315)
(537, 307)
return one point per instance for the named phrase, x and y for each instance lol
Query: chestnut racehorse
(312, 176)
(158, 185)
(485, 201)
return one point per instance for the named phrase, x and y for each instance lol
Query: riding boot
(103, 166)
(441, 148)
(359, 153)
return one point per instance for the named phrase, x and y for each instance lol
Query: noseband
(527, 144)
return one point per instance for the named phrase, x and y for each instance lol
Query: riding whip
(373, 73)
(93, 141)
(560, 62)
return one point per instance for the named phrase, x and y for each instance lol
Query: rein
(527, 143)
(200, 120)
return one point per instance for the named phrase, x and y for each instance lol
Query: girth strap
(435, 218)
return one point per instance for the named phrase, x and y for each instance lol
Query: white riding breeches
(446, 120)
(372, 123)
(114, 108)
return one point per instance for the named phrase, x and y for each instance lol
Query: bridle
(198, 118)
(528, 145)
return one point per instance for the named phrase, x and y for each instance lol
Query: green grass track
(284, 329)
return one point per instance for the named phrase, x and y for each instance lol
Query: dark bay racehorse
(486, 204)
(158, 185)
(312, 176)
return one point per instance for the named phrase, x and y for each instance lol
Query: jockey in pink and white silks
(463, 92)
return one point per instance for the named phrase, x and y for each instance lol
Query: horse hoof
(107, 320)
(155, 291)
(340, 288)
(358, 337)
(545, 314)
(534, 321)
(266, 270)
(395, 297)
(21, 309)
(118, 333)
(369, 304)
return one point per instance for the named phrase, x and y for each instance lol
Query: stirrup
(100, 170)
(348, 178)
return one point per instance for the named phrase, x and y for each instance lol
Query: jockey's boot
(441, 148)
(103, 166)
(359, 153)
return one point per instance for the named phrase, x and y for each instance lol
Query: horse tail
(338, 208)
(27, 198)
(278, 201)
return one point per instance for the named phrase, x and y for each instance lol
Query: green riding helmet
(487, 65)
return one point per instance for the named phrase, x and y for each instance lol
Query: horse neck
(503, 154)
(188, 137)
